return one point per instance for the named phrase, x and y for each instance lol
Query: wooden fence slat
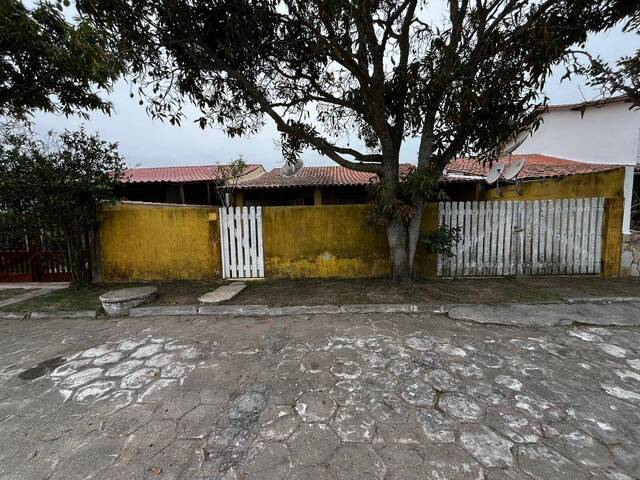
(246, 272)
(467, 238)
(260, 243)
(253, 241)
(474, 238)
(480, 239)
(535, 237)
(599, 228)
(571, 229)
(224, 250)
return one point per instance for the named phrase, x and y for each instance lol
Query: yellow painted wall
(158, 242)
(174, 242)
(328, 241)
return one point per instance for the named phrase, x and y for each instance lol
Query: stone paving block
(223, 293)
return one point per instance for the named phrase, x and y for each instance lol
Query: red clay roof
(314, 177)
(194, 173)
(536, 166)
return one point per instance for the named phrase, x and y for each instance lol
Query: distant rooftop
(331, 176)
(536, 166)
(184, 174)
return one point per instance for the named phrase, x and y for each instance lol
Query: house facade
(598, 132)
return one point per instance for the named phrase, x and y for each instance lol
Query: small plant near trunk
(442, 240)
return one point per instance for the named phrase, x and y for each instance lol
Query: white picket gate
(539, 237)
(241, 242)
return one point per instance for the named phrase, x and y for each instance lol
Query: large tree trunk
(397, 237)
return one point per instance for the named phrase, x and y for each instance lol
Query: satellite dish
(495, 173)
(508, 148)
(290, 169)
(513, 169)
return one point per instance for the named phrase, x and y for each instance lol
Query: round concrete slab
(119, 302)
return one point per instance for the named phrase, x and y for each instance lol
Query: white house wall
(607, 134)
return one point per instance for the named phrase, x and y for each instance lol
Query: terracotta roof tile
(536, 166)
(194, 173)
(314, 177)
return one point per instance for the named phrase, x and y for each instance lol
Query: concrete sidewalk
(550, 315)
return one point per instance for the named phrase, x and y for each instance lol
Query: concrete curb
(41, 315)
(164, 310)
(463, 312)
(575, 300)
(12, 315)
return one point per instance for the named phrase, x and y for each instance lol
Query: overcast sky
(147, 142)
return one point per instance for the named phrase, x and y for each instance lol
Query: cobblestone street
(317, 397)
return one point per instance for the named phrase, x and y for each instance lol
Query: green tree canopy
(379, 70)
(49, 64)
(56, 186)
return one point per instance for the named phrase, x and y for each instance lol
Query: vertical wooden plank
(535, 236)
(500, 242)
(593, 208)
(495, 233)
(557, 211)
(238, 238)
(525, 244)
(577, 245)
(508, 234)
(453, 222)
(253, 252)
(564, 218)
(473, 253)
(467, 238)
(548, 242)
(245, 243)
(260, 244)
(542, 238)
(599, 235)
(571, 235)
(586, 227)
(488, 244)
(460, 249)
(480, 239)
(521, 239)
(231, 234)
(224, 242)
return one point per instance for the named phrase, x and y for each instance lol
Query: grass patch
(86, 298)
(11, 292)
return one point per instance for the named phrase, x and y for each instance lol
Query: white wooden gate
(539, 237)
(241, 242)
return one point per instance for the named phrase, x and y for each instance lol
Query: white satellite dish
(513, 169)
(495, 173)
(508, 148)
(290, 169)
